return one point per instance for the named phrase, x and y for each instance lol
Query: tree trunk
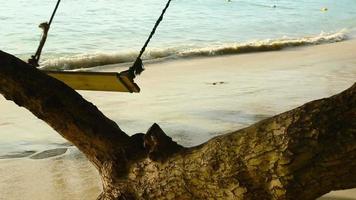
(300, 154)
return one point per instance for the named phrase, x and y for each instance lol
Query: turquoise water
(95, 32)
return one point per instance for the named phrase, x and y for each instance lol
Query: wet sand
(192, 99)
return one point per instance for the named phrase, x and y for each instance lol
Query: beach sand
(192, 99)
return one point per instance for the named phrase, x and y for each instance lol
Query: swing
(97, 81)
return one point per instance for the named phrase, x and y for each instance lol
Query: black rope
(54, 12)
(45, 26)
(137, 68)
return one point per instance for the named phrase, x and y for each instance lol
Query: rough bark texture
(300, 154)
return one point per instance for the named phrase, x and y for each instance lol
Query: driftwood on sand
(300, 154)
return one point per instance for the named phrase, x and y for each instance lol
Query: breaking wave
(99, 59)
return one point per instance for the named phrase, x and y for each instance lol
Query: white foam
(99, 59)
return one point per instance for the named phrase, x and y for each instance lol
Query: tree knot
(158, 145)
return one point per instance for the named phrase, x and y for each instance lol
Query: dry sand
(192, 99)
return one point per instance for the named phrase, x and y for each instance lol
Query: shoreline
(348, 42)
(160, 54)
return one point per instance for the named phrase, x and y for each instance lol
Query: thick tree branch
(77, 120)
(299, 154)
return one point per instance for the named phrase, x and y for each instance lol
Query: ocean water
(98, 32)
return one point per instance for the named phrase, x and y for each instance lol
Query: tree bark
(300, 154)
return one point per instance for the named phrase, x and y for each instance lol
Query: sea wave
(99, 59)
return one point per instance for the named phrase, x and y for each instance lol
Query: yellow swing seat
(96, 81)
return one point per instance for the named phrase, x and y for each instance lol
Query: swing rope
(137, 68)
(45, 27)
(54, 12)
